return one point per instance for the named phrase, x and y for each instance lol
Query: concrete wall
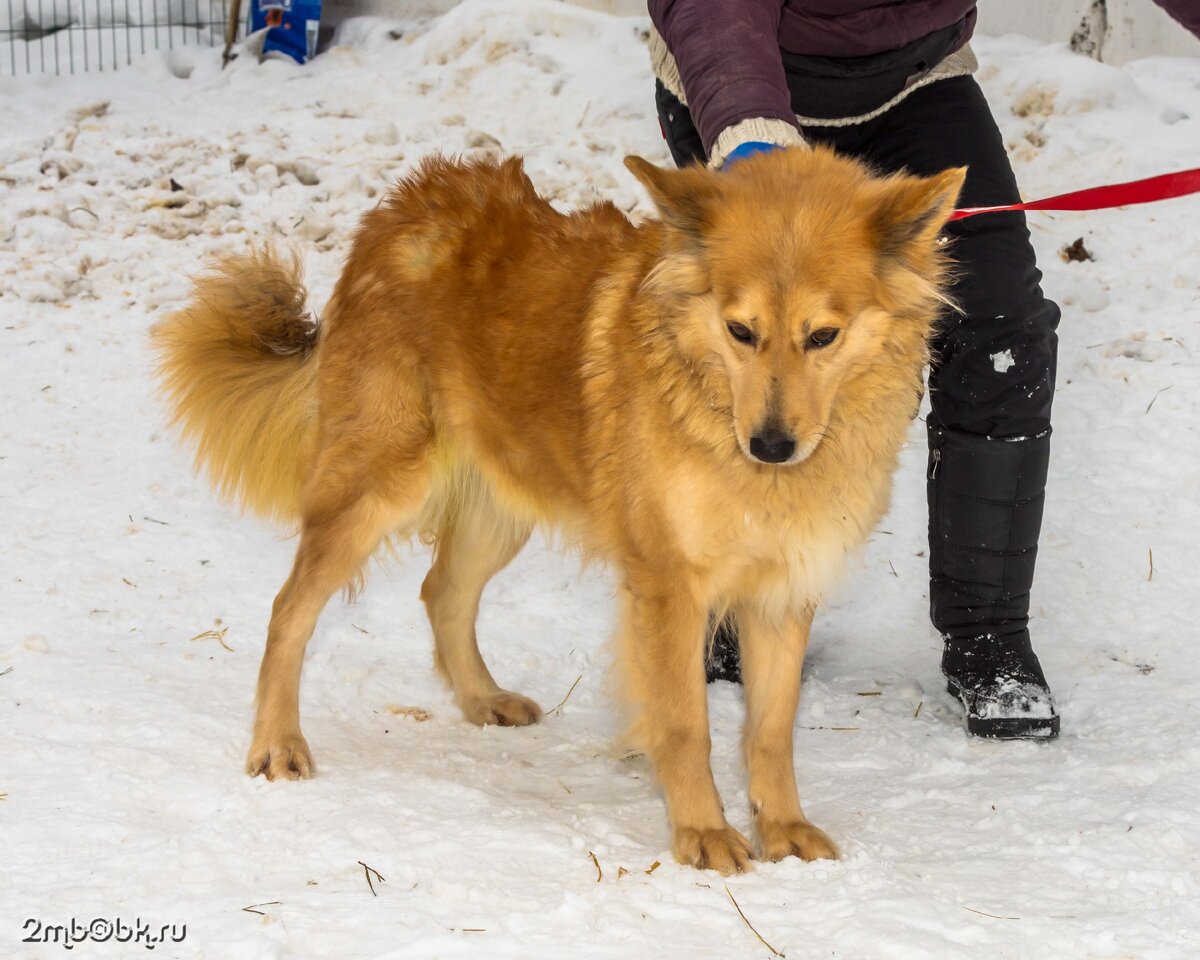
(1111, 30)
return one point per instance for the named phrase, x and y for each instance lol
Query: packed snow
(135, 603)
(1003, 361)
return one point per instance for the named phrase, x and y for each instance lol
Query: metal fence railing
(72, 36)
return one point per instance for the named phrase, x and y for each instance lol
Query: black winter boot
(985, 514)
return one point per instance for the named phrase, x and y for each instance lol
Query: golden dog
(713, 402)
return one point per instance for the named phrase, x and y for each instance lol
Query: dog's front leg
(662, 653)
(772, 653)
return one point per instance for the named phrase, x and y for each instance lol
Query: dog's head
(791, 274)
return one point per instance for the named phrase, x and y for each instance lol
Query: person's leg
(991, 389)
(995, 371)
(675, 120)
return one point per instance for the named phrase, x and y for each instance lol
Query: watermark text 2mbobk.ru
(102, 930)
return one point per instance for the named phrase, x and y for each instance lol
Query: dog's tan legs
(343, 526)
(662, 654)
(772, 659)
(472, 548)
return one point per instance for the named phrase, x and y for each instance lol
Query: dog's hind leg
(474, 544)
(772, 659)
(354, 499)
(662, 658)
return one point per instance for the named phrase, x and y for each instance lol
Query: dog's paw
(724, 850)
(799, 838)
(280, 757)
(502, 708)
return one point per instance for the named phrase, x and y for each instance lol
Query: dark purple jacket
(728, 50)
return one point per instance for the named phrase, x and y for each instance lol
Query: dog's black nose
(772, 445)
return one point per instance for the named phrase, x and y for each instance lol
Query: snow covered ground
(134, 603)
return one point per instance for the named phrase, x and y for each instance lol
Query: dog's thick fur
(487, 365)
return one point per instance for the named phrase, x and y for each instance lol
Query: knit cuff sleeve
(758, 129)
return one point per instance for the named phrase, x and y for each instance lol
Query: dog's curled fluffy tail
(238, 369)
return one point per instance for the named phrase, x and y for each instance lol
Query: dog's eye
(823, 337)
(741, 333)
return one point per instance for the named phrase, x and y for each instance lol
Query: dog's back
(480, 291)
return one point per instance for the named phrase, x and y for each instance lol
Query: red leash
(1102, 198)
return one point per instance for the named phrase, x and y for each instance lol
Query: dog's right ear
(684, 197)
(913, 210)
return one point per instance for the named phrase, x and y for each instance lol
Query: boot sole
(1005, 728)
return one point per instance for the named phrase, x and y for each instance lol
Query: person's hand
(748, 149)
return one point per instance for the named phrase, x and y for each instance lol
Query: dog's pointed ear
(912, 212)
(683, 197)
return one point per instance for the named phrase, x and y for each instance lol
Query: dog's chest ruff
(787, 546)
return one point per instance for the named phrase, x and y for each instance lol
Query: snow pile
(135, 604)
